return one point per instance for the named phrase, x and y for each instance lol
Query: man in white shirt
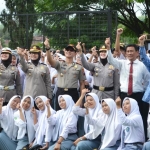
(140, 77)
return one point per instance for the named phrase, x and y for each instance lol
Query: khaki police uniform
(10, 83)
(68, 78)
(105, 79)
(37, 80)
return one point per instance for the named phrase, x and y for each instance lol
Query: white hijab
(10, 128)
(133, 113)
(28, 118)
(93, 112)
(42, 122)
(63, 115)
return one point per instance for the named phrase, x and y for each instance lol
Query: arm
(84, 49)
(82, 85)
(48, 54)
(48, 84)
(1, 104)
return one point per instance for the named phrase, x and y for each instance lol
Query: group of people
(75, 100)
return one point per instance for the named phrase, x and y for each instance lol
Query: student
(23, 119)
(94, 107)
(65, 131)
(132, 135)
(43, 129)
(9, 133)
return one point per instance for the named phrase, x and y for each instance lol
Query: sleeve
(116, 83)
(18, 122)
(82, 76)
(144, 58)
(70, 126)
(24, 65)
(116, 63)
(79, 111)
(127, 121)
(18, 84)
(57, 65)
(36, 126)
(48, 84)
(87, 65)
(52, 119)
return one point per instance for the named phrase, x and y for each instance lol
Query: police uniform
(37, 80)
(10, 83)
(68, 77)
(105, 79)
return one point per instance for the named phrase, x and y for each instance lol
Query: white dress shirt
(141, 75)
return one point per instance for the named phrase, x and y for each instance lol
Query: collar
(134, 62)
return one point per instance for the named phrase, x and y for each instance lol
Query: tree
(20, 27)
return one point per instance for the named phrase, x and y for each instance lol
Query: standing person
(37, 74)
(69, 73)
(132, 135)
(10, 83)
(105, 76)
(9, 133)
(134, 78)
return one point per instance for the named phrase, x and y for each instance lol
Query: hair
(132, 45)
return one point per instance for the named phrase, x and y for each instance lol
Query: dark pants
(72, 92)
(143, 107)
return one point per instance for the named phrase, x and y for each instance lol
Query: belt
(67, 89)
(7, 88)
(136, 143)
(101, 88)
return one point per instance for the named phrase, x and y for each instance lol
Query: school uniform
(90, 143)
(132, 135)
(9, 134)
(26, 132)
(65, 124)
(42, 128)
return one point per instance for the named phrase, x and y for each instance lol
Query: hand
(46, 43)
(1, 101)
(84, 91)
(47, 103)
(119, 31)
(107, 43)
(142, 40)
(93, 49)
(57, 146)
(79, 48)
(76, 142)
(20, 51)
(18, 107)
(86, 105)
(83, 44)
(44, 147)
(118, 102)
(33, 111)
(30, 145)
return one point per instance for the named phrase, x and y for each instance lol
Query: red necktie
(130, 84)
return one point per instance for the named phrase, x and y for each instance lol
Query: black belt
(135, 143)
(67, 89)
(101, 88)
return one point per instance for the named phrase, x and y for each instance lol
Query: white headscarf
(9, 127)
(42, 121)
(64, 115)
(93, 112)
(28, 117)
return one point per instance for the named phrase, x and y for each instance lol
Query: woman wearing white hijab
(24, 120)
(65, 124)
(132, 135)
(94, 107)
(9, 134)
(43, 129)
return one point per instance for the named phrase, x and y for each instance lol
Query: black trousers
(143, 107)
(72, 92)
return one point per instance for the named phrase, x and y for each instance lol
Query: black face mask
(7, 62)
(104, 61)
(35, 62)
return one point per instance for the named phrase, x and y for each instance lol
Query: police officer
(10, 83)
(69, 73)
(37, 80)
(105, 76)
